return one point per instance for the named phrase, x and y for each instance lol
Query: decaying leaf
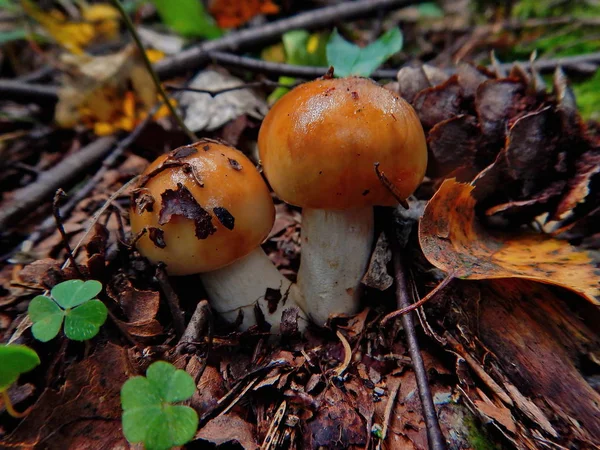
(73, 417)
(107, 92)
(204, 112)
(182, 203)
(100, 21)
(454, 241)
(232, 13)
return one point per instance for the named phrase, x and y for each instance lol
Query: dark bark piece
(439, 103)
(157, 236)
(452, 144)
(181, 202)
(225, 217)
(531, 339)
(183, 152)
(234, 164)
(273, 297)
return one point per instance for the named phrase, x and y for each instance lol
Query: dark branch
(434, 433)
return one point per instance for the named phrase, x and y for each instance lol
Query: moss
(478, 437)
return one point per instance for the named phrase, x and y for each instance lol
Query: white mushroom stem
(243, 284)
(336, 246)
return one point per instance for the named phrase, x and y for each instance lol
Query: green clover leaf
(84, 322)
(47, 318)
(350, 59)
(149, 416)
(15, 360)
(72, 301)
(72, 293)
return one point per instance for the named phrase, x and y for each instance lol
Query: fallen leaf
(232, 13)
(454, 241)
(74, 416)
(100, 21)
(107, 92)
(229, 428)
(204, 112)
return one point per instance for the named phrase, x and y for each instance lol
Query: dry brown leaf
(454, 241)
(231, 14)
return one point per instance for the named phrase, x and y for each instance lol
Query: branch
(31, 196)
(21, 91)
(197, 55)
(435, 437)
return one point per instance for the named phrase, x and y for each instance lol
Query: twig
(24, 92)
(241, 386)
(387, 414)
(30, 197)
(391, 187)
(195, 56)
(148, 64)
(197, 325)
(256, 84)
(434, 433)
(172, 299)
(339, 370)
(404, 310)
(81, 193)
(61, 229)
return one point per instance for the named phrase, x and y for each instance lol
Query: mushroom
(206, 209)
(318, 146)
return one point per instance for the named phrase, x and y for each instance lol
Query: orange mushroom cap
(204, 206)
(319, 143)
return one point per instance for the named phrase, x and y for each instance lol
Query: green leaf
(47, 318)
(301, 49)
(12, 35)
(188, 18)
(149, 417)
(84, 322)
(173, 385)
(15, 360)
(430, 10)
(587, 94)
(350, 59)
(72, 293)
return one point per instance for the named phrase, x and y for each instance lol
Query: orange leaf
(454, 241)
(233, 13)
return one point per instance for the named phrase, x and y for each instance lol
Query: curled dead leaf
(454, 241)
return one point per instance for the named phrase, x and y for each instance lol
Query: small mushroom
(206, 209)
(318, 146)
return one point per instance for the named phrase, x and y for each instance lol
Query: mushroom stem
(242, 284)
(336, 246)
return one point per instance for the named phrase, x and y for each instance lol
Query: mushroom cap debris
(319, 143)
(203, 206)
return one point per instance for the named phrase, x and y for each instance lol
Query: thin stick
(148, 64)
(172, 299)
(435, 437)
(387, 414)
(400, 312)
(256, 84)
(61, 229)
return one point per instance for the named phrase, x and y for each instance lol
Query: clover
(74, 302)
(149, 415)
(16, 359)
